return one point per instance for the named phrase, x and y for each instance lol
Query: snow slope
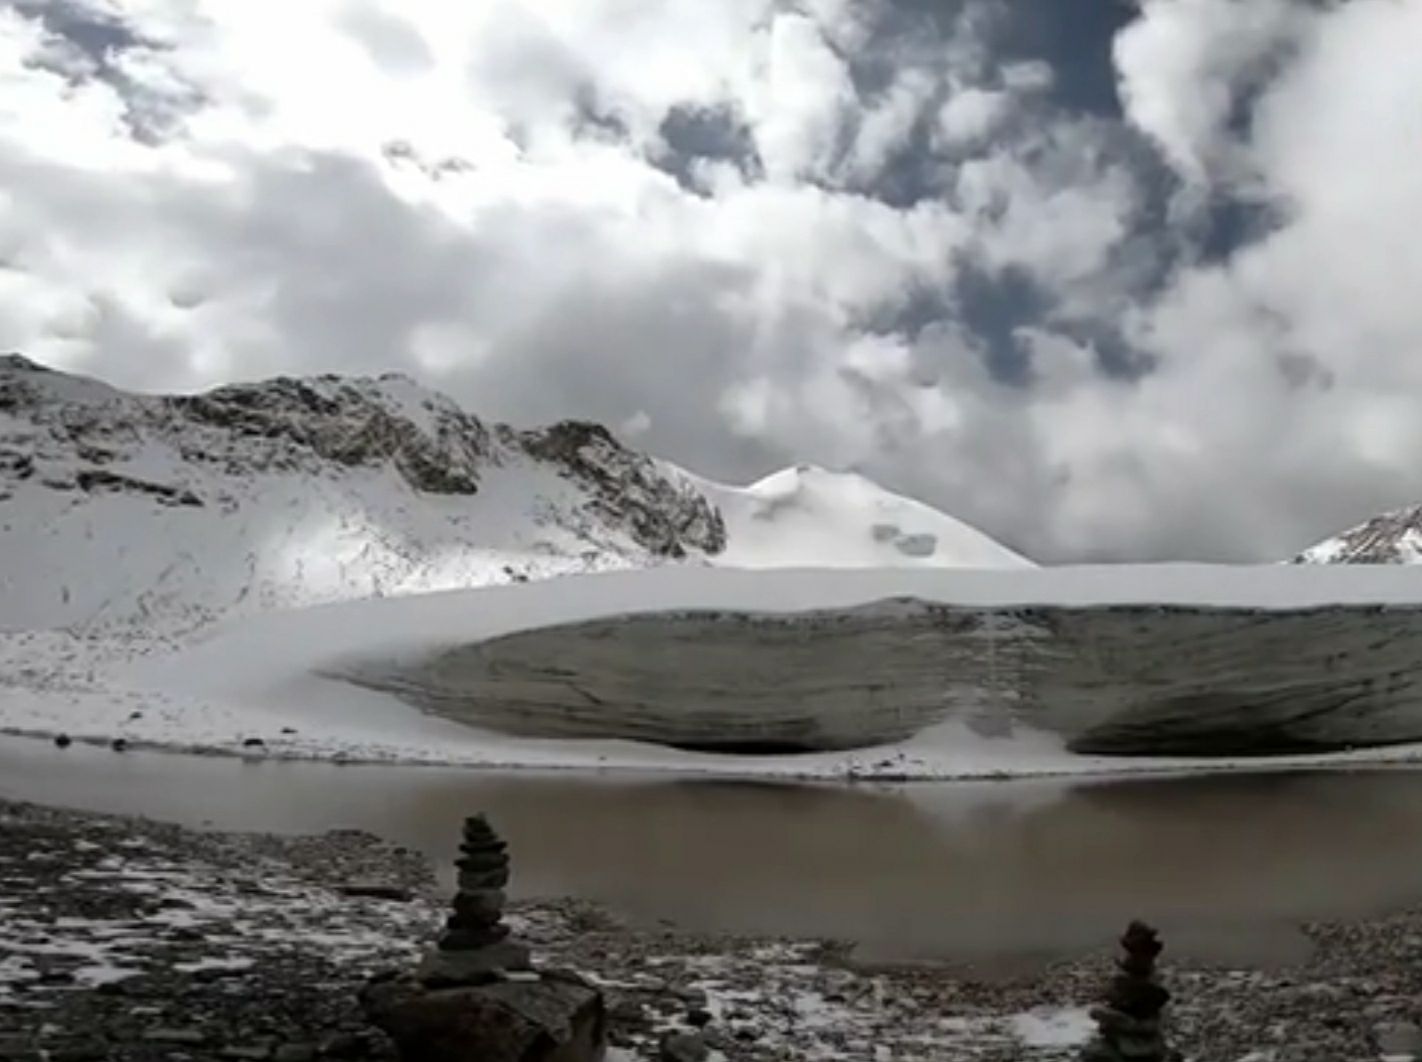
(158, 515)
(1389, 538)
(809, 517)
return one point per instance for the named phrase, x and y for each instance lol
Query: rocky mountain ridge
(74, 431)
(1393, 537)
(119, 507)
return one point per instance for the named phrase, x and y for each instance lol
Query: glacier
(908, 673)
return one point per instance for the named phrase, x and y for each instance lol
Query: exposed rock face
(1129, 1023)
(1391, 538)
(476, 995)
(351, 423)
(665, 515)
(1113, 680)
(281, 425)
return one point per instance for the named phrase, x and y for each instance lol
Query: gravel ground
(130, 940)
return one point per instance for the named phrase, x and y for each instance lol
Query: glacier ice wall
(1113, 678)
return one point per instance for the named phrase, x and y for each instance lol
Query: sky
(1109, 280)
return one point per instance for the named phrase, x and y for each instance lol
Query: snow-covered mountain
(808, 516)
(1390, 538)
(168, 512)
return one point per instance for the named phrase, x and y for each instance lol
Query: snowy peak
(1391, 538)
(808, 516)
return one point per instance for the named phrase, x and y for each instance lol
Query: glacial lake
(959, 872)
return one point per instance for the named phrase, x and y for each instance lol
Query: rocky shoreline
(136, 941)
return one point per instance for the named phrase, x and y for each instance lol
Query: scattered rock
(683, 1047)
(82, 1051)
(378, 891)
(294, 1053)
(186, 1037)
(1399, 1039)
(246, 1054)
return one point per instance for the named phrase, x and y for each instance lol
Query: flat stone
(376, 890)
(1111, 1020)
(186, 1037)
(1402, 1038)
(480, 906)
(683, 1047)
(482, 862)
(483, 877)
(456, 967)
(460, 937)
(477, 833)
(551, 1019)
(83, 1051)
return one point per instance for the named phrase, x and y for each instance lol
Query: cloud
(930, 242)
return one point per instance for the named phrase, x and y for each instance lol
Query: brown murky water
(1227, 864)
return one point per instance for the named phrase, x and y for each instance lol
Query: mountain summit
(1390, 538)
(171, 511)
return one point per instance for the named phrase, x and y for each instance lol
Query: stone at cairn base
(448, 969)
(553, 1018)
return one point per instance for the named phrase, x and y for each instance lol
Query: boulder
(550, 1017)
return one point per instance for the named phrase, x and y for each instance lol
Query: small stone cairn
(1129, 1023)
(477, 995)
(475, 947)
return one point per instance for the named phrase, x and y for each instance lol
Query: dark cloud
(89, 43)
(1074, 37)
(98, 33)
(693, 135)
(995, 306)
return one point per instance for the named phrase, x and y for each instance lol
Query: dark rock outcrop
(660, 514)
(352, 423)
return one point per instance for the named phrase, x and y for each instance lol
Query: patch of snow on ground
(1053, 1027)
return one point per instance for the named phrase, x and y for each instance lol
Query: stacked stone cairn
(1129, 1023)
(475, 947)
(477, 995)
